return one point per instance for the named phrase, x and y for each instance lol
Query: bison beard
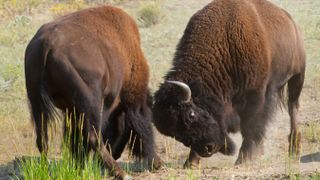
(91, 62)
(234, 60)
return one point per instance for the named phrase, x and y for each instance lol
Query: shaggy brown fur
(91, 61)
(236, 56)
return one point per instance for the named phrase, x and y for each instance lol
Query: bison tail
(48, 107)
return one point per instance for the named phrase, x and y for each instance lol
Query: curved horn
(186, 89)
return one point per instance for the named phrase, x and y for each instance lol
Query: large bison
(229, 72)
(90, 62)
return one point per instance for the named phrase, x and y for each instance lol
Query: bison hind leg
(116, 134)
(295, 85)
(42, 113)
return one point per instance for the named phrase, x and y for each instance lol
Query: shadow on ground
(10, 170)
(314, 157)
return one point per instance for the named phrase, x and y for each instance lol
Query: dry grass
(18, 25)
(150, 14)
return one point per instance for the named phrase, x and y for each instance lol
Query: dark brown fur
(236, 56)
(91, 62)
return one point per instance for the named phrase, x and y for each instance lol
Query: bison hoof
(156, 163)
(239, 161)
(123, 177)
(127, 177)
(294, 144)
(191, 165)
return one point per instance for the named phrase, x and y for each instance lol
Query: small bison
(90, 62)
(229, 73)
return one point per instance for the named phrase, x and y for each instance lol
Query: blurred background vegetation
(161, 25)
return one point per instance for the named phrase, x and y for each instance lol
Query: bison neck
(213, 91)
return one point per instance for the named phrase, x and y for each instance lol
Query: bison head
(176, 115)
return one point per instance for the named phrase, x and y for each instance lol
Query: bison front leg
(250, 149)
(193, 161)
(294, 89)
(253, 126)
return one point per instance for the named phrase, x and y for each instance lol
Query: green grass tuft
(64, 168)
(67, 167)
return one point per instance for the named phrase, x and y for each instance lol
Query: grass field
(19, 20)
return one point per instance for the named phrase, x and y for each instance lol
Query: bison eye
(192, 114)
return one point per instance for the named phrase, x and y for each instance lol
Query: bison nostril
(209, 148)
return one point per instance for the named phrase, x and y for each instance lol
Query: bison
(90, 62)
(229, 73)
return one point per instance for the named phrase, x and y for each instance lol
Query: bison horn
(186, 96)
